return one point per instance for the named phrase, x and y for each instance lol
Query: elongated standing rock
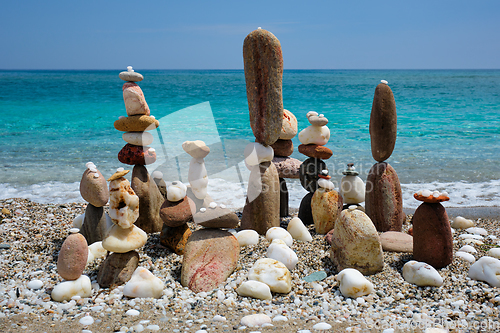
(432, 238)
(383, 123)
(384, 201)
(263, 62)
(326, 206)
(150, 200)
(263, 212)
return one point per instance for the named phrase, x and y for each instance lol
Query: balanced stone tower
(263, 63)
(384, 201)
(322, 204)
(432, 238)
(137, 153)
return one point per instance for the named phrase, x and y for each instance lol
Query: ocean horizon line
(241, 69)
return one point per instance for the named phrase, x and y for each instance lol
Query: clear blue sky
(348, 34)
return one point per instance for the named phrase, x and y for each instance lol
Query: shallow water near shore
(56, 121)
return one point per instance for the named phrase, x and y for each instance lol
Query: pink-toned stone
(94, 189)
(136, 155)
(383, 199)
(287, 167)
(263, 63)
(432, 238)
(72, 257)
(135, 103)
(283, 148)
(289, 126)
(383, 123)
(394, 241)
(210, 257)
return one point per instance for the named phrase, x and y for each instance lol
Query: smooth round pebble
(87, 320)
(153, 327)
(132, 312)
(280, 318)
(35, 284)
(219, 318)
(322, 326)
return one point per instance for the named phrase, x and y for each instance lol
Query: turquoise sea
(53, 122)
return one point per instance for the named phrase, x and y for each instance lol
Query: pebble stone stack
(432, 238)
(322, 204)
(263, 64)
(136, 152)
(287, 166)
(352, 188)
(384, 201)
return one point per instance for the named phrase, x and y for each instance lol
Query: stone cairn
(263, 63)
(287, 166)
(352, 188)
(432, 238)
(322, 204)
(384, 201)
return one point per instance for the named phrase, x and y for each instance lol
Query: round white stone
(322, 326)
(486, 269)
(494, 252)
(132, 312)
(466, 256)
(35, 284)
(255, 320)
(461, 223)
(298, 230)
(74, 230)
(468, 248)
(421, 274)
(353, 284)
(278, 250)
(87, 320)
(247, 237)
(254, 289)
(279, 233)
(256, 153)
(318, 135)
(138, 138)
(157, 174)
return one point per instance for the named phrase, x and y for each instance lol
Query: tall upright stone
(263, 62)
(150, 200)
(384, 201)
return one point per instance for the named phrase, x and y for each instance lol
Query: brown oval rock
(93, 188)
(287, 167)
(136, 123)
(136, 155)
(135, 102)
(289, 127)
(383, 123)
(117, 269)
(432, 238)
(150, 200)
(394, 241)
(383, 198)
(317, 151)
(283, 148)
(175, 238)
(263, 63)
(325, 207)
(72, 257)
(175, 214)
(356, 244)
(210, 257)
(263, 212)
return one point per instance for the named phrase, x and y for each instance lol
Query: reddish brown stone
(283, 148)
(136, 155)
(383, 199)
(383, 123)
(72, 257)
(263, 63)
(317, 151)
(328, 236)
(432, 238)
(175, 214)
(431, 198)
(175, 239)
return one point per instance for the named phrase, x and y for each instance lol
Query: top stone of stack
(263, 62)
(383, 122)
(130, 75)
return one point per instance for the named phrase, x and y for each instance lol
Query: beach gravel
(31, 236)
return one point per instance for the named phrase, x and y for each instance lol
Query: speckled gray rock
(287, 167)
(131, 76)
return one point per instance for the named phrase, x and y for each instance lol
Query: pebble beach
(32, 234)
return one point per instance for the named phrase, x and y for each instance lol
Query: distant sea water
(53, 122)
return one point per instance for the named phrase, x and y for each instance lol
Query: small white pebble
(87, 320)
(120, 169)
(153, 327)
(280, 318)
(157, 174)
(86, 331)
(121, 117)
(88, 165)
(132, 312)
(93, 169)
(96, 175)
(322, 326)
(130, 68)
(219, 318)
(213, 205)
(35, 284)
(384, 81)
(152, 117)
(151, 149)
(203, 210)
(74, 230)
(222, 206)
(468, 248)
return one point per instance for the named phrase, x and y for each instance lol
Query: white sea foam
(232, 193)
